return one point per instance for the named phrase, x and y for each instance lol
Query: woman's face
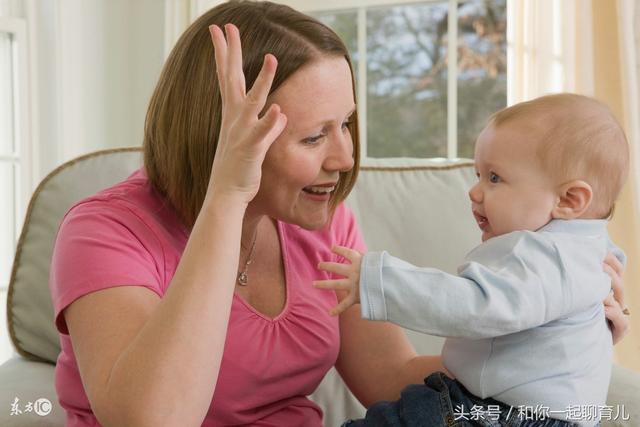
(303, 164)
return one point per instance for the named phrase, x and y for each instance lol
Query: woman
(193, 304)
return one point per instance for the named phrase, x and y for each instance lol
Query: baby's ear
(574, 198)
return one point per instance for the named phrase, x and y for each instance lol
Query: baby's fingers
(348, 253)
(335, 267)
(343, 306)
(338, 284)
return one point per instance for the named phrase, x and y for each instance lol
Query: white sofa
(417, 210)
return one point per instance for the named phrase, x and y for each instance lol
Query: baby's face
(513, 192)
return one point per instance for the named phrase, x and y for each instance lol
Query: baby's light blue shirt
(524, 316)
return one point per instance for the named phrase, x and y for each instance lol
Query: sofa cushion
(28, 381)
(417, 210)
(29, 308)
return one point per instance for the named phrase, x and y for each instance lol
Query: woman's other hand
(245, 136)
(614, 306)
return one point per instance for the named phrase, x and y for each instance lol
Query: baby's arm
(508, 284)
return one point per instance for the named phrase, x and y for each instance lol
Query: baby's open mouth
(482, 221)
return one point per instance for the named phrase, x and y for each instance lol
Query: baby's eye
(493, 178)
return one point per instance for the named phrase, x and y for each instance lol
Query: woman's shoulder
(133, 191)
(133, 200)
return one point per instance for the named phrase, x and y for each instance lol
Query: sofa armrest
(29, 381)
(624, 392)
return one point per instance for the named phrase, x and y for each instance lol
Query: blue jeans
(444, 402)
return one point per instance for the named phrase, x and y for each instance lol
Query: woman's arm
(376, 359)
(146, 361)
(150, 361)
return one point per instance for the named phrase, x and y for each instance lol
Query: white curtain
(626, 227)
(549, 48)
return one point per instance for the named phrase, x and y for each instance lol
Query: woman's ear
(574, 198)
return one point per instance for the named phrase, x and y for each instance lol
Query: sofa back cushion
(417, 210)
(29, 307)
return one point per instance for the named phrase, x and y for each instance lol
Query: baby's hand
(351, 282)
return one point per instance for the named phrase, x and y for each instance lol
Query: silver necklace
(243, 276)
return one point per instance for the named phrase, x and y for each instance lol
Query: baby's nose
(475, 193)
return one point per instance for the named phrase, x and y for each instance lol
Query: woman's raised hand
(244, 136)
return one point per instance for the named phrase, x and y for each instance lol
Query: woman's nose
(340, 154)
(475, 193)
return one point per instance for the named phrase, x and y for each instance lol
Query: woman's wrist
(222, 209)
(225, 202)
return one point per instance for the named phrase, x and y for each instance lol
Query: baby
(524, 316)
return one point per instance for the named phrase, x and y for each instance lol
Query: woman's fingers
(270, 126)
(614, 269)
(220, 53)
(618, 321)
(234, 82)
(615, 263)
(228, 56)
(257, 96)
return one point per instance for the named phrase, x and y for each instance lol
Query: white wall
(97, 64)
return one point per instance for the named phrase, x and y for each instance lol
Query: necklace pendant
(243, 278)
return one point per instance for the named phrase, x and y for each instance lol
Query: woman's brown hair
(184, 116)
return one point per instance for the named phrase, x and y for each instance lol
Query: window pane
(7, 221)
(345, 24)
(6, 94)
(407, 81)
(482, 67)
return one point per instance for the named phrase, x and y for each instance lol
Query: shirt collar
(577, 226)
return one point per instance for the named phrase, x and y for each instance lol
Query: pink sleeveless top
(129, 234)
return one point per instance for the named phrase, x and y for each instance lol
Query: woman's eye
(494, 178)
(346, 124)
(313, 139)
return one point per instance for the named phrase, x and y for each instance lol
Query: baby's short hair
(579, 138)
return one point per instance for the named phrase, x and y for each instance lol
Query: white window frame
(452, 59)
(21, 156)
